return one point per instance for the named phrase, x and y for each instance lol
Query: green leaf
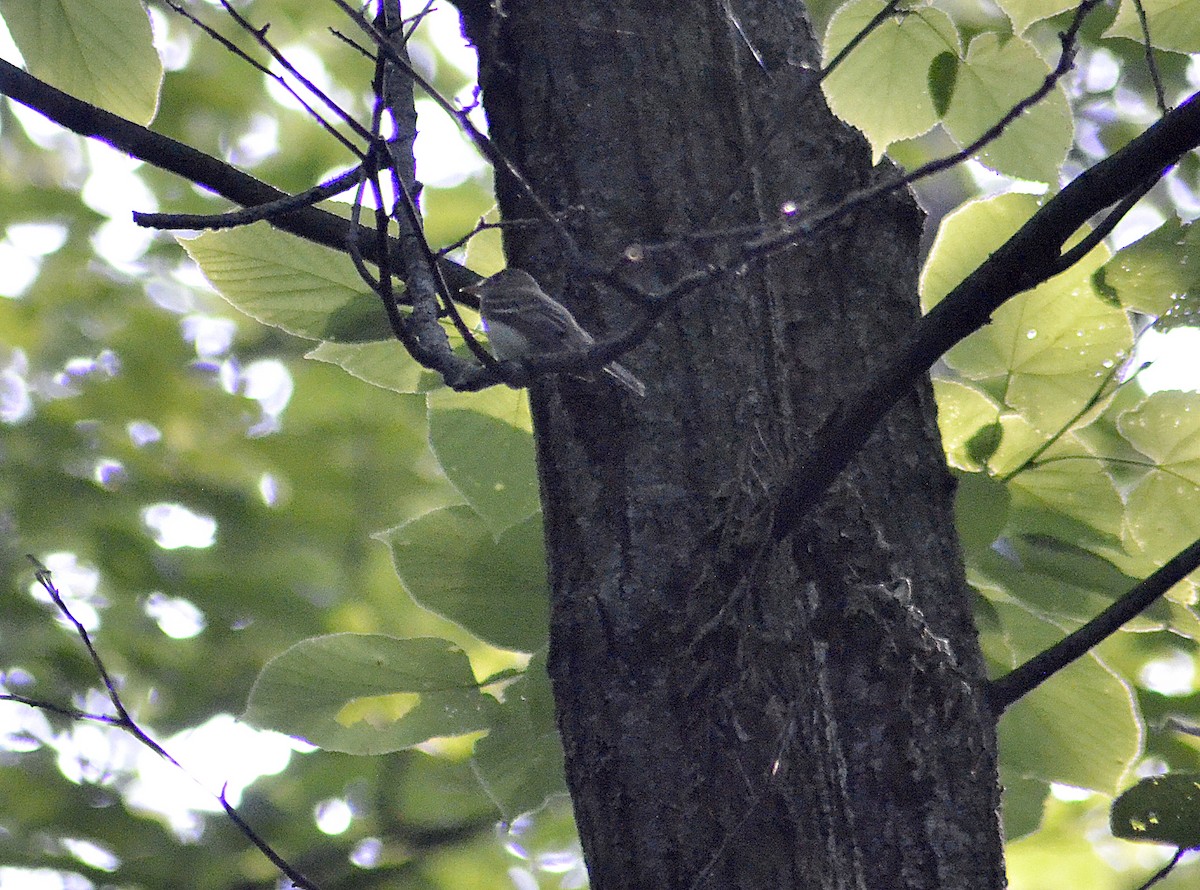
(963, 411)
(1023, 13)
(943, 74)
(1079, 728)
(882, 87)
(1161, 810)
(1047, 351)
(1068, 494)
(520, 762)
(1155, 275)
(383, 363)
(289, 283)
(995, 75)
(1164, 506)
(1062, 582)
(489, 461)
(100, 51)
(496, 588)
(369, 693)
(1173, 24)
(982, 445)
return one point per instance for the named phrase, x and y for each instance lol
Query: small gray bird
(522, 320)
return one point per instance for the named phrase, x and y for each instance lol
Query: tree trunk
(737, 713)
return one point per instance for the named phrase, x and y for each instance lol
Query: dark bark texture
(735, 713)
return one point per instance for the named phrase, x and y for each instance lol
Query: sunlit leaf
(882, 87)
(1155, 275)
(1164, 506)
(1067, 493)
(383, 363)
(1173, 24)
(962, 412)
(1024, 13)
(1047, 350)
(289, 283)
(100, 51)
(1079, 728)
(994, 76)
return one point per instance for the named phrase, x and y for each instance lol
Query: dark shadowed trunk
(737, 713)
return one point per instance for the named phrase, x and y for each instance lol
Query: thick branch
(1033, 255)
(202, 169)
(1044, 665)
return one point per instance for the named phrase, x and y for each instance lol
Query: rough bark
(828, 728)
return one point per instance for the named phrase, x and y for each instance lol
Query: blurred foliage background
(206, 497)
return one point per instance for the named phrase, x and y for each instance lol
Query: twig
(487, 147)
(248, 215)
(125, 722)
(1151, 62)
(260, 35)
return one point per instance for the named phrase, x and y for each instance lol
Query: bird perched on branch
(523, 320)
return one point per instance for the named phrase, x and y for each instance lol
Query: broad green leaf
(1023, 13)
(1155, 275)
(967, 237)
(1160, 809)
(368, 693)
(1019, 442)
(520, 762)
(1166, 428)
(1173, 24)
(383, 363)
(1080, 727)
(289, 283)
(1062, 582)
(490, 462)
(1047, 351)
(1068, 494)
(100, 51)
(995, 75)
(882, 87)
(1164, 507)
(451, 564)
(508, 405)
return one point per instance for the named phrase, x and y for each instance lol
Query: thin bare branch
(1151, 62)
(247, 215)
(1044, 665)
(125, 722)
(260, 36)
